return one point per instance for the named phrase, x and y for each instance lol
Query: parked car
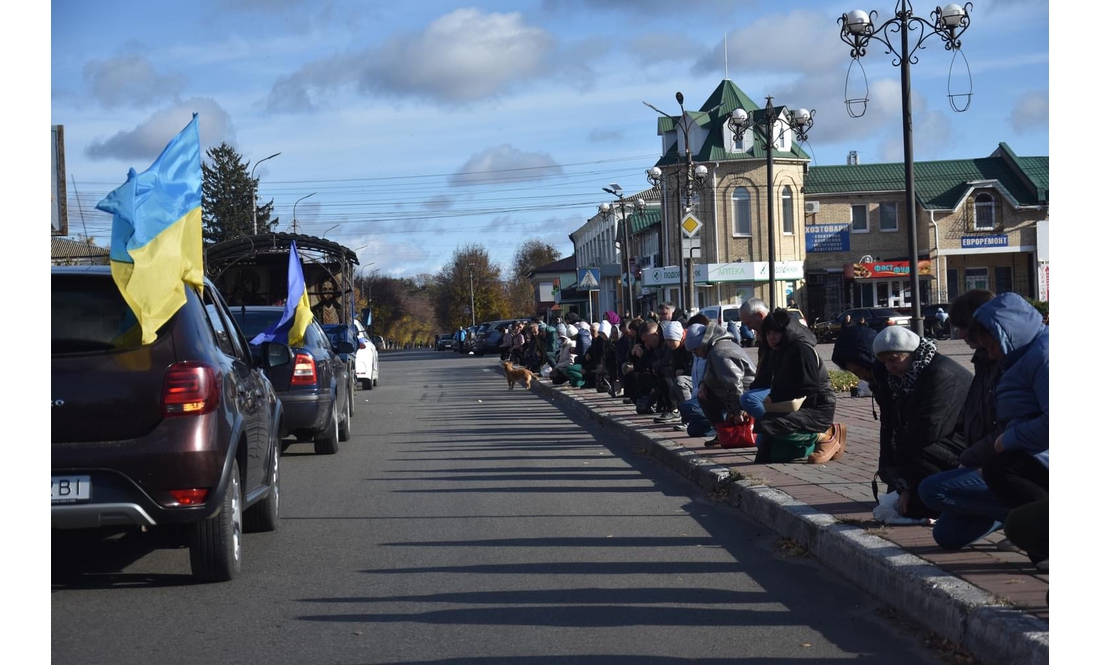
(366, 361)
(314, 388)
(723, 314)
(446, 341)
(182, 432)
(876, 318)
(798, 315)
(488, 340)
(346, 332)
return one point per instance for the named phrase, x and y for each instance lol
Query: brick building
(979, 223)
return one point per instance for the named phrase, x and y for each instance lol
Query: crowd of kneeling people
(969, 451)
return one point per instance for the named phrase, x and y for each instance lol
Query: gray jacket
(729, 371)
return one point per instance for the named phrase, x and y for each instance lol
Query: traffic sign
(588, 279)
(690, 225)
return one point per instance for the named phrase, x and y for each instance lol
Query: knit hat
(611, 317)
(894, 339)
(694, 336)
(582, 325)
(571, 331)
(561, 329)
(674, 330)
(605, 328)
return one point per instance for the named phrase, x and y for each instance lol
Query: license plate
(70, 489)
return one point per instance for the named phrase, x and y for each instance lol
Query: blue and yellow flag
(156, 235)
(291, 326)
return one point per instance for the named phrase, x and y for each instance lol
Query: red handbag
(736, 435)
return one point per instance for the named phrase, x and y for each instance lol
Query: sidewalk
(992, 603)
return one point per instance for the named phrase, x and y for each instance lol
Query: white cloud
(1031, 111)
(439, 202)
(130, 80)
(801, 41)
(147, 140)
(604, 135)
(460, 57)
(505, 164)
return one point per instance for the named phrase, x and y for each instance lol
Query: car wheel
(374, 374)
(326, 443)
(215, 543)
(369, 383)
(344, 428)
(264, 515)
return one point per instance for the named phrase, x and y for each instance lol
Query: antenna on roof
(726, 55)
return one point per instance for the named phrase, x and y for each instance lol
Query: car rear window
(87, 313)
(254, 321)
(882, 311)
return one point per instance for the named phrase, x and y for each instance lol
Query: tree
(520, 292)
(452, 294)
(228, 195)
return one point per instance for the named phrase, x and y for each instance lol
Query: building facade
(978, 226)
(729, 253)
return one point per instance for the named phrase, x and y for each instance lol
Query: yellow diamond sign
(690, 225)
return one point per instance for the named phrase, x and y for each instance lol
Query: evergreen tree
(228, 195)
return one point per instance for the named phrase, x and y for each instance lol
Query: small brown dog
(517, 374)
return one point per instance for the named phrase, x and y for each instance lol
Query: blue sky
(421, 126)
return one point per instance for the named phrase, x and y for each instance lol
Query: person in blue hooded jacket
(1013, 333)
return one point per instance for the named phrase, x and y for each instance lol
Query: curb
(948, 606)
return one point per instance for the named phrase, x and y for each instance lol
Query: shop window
(887, 217)
(859, 218)
(977, 278)
(1002, 279)
(742, 212)
(788, 210)
(983, 213)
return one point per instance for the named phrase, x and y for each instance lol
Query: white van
(366, 359)
(723, 314)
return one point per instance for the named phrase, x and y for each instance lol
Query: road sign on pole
(690, 225)
(588, 279)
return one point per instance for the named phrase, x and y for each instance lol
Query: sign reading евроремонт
(984, 241)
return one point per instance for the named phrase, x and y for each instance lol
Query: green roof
(640, 221)
(940, 185)
(725, 98)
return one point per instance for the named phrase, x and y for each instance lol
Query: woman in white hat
(921, 395)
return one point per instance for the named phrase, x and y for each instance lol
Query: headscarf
(922, 357)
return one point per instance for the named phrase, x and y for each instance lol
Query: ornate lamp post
(762, 123)
(622, 241)
(692, 178)
(857, 29)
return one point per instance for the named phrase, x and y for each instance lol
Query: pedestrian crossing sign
(690, 225)
(588, 279)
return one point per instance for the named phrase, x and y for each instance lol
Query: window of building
(983, 212)
(742, 212)
(977, 278)
(887, 217)
(1002, 279)
(859, 218)
(788, 210)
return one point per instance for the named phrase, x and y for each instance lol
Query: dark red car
(181, 432)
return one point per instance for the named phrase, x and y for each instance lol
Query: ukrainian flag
(156, 235)
(291, 326)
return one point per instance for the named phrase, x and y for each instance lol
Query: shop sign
(711, 273)
(884, 269)
(828, 238)
(1044, 282)
(971, 242)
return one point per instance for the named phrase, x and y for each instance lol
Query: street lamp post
(294, 211)
(473, 320)
(252, 181)
(626, 291)
(763, 122)
(691, 178)
(857, 29)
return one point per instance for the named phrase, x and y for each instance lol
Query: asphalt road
(465, 523)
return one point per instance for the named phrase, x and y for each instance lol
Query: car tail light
(889, 322)
(305, 371)
(191, 497)
(362, 345)
(190, 389)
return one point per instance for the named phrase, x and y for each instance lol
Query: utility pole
(472, 319)
(252, 181)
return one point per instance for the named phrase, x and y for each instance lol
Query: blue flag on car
(291, 326)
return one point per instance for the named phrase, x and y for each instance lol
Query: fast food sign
(884, 269)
